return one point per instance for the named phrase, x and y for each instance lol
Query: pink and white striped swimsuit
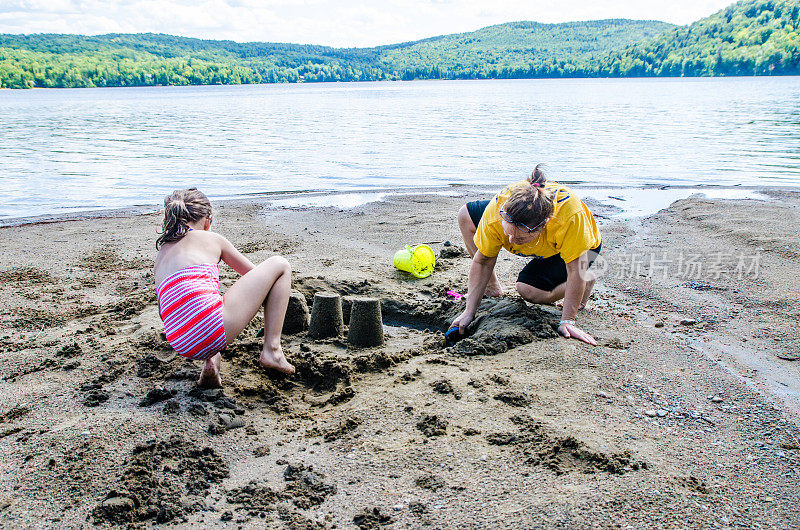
(191, 308)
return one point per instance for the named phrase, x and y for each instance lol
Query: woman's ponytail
(538, 178)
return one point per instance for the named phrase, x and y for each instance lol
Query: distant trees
(748, 38)
(752, 37)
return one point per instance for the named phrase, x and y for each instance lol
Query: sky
(342, 23)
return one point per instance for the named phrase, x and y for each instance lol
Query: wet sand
(685, 415)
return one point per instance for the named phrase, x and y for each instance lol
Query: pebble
(397, 507)
(688, 322)
(650, 413)
(661, 413)
(121, 504)
(484, 458)
(717, 399)
(602, 394)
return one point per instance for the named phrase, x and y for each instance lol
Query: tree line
(751, 37)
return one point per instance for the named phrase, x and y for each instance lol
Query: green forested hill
(518, 49)
(50, 60)
(515, 49)
(751, 37)
(759, 37)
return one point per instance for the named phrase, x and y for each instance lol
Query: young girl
(198, 321)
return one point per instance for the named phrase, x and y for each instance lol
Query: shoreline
(264, 198)
(455, 79)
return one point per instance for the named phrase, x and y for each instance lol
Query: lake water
(82, 149)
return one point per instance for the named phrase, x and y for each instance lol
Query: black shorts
(548, 273)
(543, 273)
(475, 210)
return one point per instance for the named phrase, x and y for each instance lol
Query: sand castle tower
(296, 319)
(366, 323)
(326, 316)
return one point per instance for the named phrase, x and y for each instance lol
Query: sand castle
(297, 314)
(326, 316)
(366, 323)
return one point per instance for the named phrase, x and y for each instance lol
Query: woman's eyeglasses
(507, 218)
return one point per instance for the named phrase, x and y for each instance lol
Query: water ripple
(72, 149)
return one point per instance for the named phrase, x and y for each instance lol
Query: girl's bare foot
(275, 359)
(209, 376)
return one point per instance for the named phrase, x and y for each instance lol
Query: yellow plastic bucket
(419, 260)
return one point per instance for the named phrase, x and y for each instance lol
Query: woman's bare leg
(269, 284)
(536, 296)
(468, 229)
(587, 293)
(531, 294)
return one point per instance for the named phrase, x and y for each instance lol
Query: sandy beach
(685, 415)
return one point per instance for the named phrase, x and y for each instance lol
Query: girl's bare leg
(468, 230)
(274, 314)
(269, 285)
(209, 377)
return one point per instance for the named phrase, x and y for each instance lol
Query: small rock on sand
(156, 395)
(432, 425)
(515, 399)
(225, 422)
(95, 397)
(372, 519)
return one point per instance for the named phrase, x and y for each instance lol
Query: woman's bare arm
(480, 272)
(573, 294)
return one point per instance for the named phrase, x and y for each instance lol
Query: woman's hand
(462, 321)
(570, 330)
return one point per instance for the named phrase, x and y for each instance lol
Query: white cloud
(335, 23)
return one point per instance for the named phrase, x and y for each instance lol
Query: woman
(541, 220)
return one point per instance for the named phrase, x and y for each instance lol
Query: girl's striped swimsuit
(191, 308)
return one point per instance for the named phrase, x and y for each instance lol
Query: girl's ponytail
(181, 208)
